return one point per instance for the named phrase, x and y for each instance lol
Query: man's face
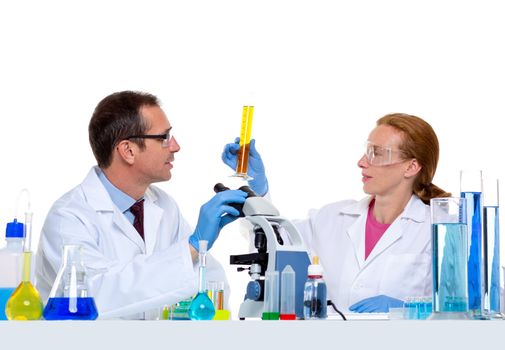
(154, 162)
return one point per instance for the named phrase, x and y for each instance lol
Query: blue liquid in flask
(70, 309)
(201, 307)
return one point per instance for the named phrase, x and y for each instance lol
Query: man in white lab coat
(139, 251)
(377, 251)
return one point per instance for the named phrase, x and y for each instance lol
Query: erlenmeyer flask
(69, 298)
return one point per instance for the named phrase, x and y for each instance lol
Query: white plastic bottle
(11, 263)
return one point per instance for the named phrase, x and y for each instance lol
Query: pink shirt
(373, 230)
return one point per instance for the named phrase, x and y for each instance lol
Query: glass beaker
(450, 256)
(471, 189)
(69, 298)
(491, 240)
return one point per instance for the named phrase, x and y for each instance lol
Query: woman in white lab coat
(377, 251)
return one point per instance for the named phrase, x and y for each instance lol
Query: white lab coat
(127, 277)
(398, 266)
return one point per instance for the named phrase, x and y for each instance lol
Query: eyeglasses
(165, 138)
(380, 155)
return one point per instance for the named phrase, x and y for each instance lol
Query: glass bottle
(314, 294)
(201, 307)
(69, 298)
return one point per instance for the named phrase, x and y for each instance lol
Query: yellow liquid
(25, 303)
(245, 139)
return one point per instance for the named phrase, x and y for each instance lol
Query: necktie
(137, 210)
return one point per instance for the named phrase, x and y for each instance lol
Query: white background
(322, 72)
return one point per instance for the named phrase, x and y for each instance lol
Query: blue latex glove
(255, 167)
(379, 303)
(214, 215)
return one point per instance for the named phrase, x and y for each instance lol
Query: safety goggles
(380, 155)
(165, 138)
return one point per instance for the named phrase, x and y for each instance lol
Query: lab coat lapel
(392, 234)
(126, 228)
(98, 198)
(415, 210)
(152, 220)
(356, 231)
(356, 234)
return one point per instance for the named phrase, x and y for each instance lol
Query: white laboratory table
(258, 335)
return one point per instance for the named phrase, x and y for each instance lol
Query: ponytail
(428, 191)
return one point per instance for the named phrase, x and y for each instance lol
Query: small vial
(271, 303)
(288, 294)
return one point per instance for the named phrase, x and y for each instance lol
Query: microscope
(278, 243)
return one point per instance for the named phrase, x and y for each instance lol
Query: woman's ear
(413, 169)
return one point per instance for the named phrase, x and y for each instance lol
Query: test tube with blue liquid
(450, 258)
(471, 189)
(491, 240)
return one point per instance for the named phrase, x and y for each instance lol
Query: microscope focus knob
(253, 290)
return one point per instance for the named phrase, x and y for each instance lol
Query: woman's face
(383, 166)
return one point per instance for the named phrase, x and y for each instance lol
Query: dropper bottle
(314, 294)
(201, 307)
(25, 303)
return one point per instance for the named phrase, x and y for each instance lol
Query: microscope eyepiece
(219, 187)
(247, 189)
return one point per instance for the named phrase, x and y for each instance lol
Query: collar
(119, 198)
(414, 210)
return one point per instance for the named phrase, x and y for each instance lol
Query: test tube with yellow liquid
(245, 141)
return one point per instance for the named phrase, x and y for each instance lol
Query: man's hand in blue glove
(255, 168)
(214, 215)
(379, 303)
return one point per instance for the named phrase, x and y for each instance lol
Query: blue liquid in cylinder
(475, 267)
(450, 287)
(70, 309)
(5, 294)
(491, 241)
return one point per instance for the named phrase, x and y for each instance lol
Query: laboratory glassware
(25, 303)
(471, 188)
(450, 257)
(201, 307)
(271, 297)
(314, 293)
(288, 277)
(11, 263)
(491, 240)
(245, 140)
(70, 298)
